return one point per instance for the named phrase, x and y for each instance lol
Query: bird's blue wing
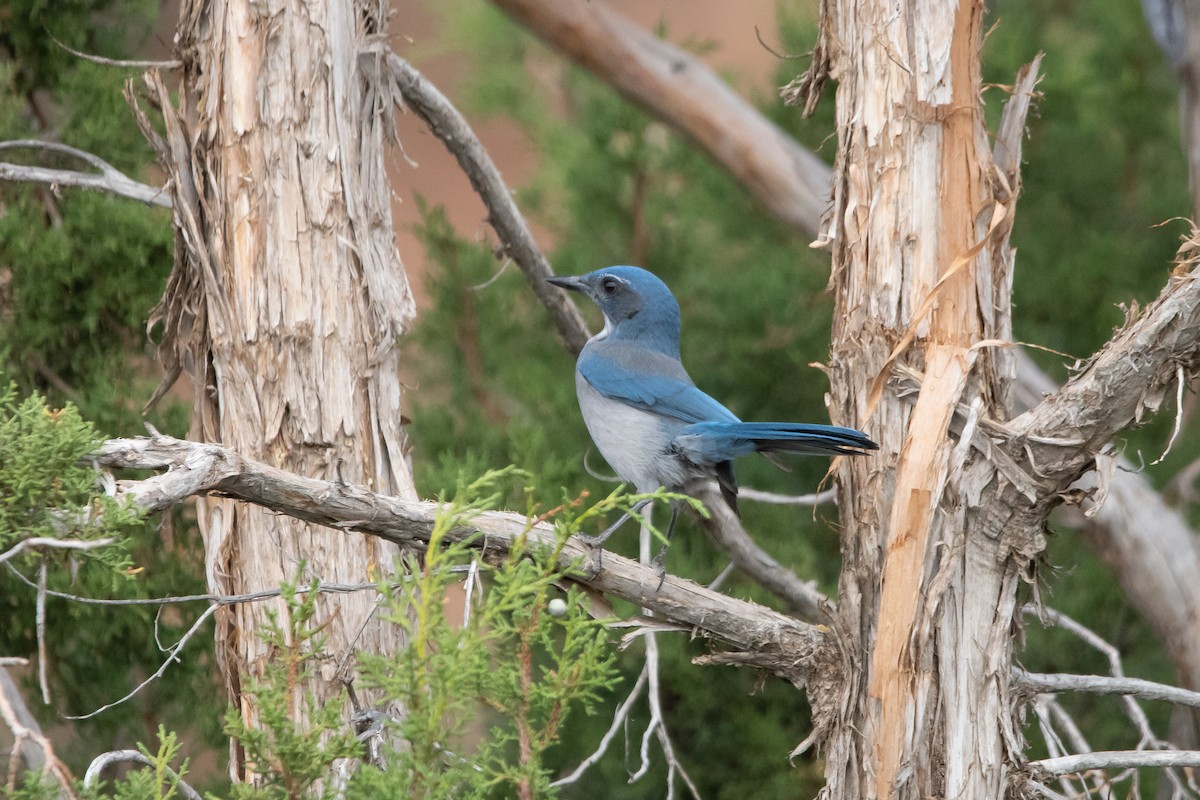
(648, 380)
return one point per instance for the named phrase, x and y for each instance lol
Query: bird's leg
(597, 542)
(660, 560)
(601, 538)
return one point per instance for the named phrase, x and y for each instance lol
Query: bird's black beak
(570, 283)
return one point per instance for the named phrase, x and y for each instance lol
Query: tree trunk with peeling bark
(921, 274)
(286, 302)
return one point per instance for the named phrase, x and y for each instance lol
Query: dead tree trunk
(921, 273)
(286, 300)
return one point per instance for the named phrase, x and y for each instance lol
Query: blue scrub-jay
(651, 423)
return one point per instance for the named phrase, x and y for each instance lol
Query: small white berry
(557, 607)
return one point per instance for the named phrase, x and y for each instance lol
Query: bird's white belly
(636, 443)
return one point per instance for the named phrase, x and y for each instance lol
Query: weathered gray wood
(921, 276)
(792, 649)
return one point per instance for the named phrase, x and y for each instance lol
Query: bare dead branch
(109, 179)
(61, 149)
(1046, 791)
(1147, 740)
(1118, 759)
(1147, 544)
(725, 530)
(105, 760)
(619, 720)
(172, 656)
(219, 599)
(656, 726)
(1100, 684)
(116, 62)
(39, 542)
(775, 640)
(1127, 380)
(773, 498)
(503, 215)
(29, 743)
(40, 625)
(677, 87)
(1006, 152)
(1050, 716)
(1134, 711)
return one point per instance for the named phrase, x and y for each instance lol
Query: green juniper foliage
(158, 781)
(507, 662)
(46, 489)
(79, 270)
(35, 786)
(79, 273)
(487, 691)
(289, 757)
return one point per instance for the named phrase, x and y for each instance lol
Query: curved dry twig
(118, 62)
(172, 655)
(619, 720)
(50, 543)
(219, 599)
(29, 743)
(105, 760)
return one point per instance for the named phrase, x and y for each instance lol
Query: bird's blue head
(637, 306)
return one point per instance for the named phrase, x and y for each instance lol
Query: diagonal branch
(449, 125)
(28, 742)
(785, 646)
(676, 86)
(1126, 380)
(726, 531)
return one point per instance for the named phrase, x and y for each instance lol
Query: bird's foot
(660, 566)
(596, 545)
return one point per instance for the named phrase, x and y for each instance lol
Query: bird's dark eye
(609, 285)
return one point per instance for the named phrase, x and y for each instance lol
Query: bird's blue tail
(718, 443)
(715, 442)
